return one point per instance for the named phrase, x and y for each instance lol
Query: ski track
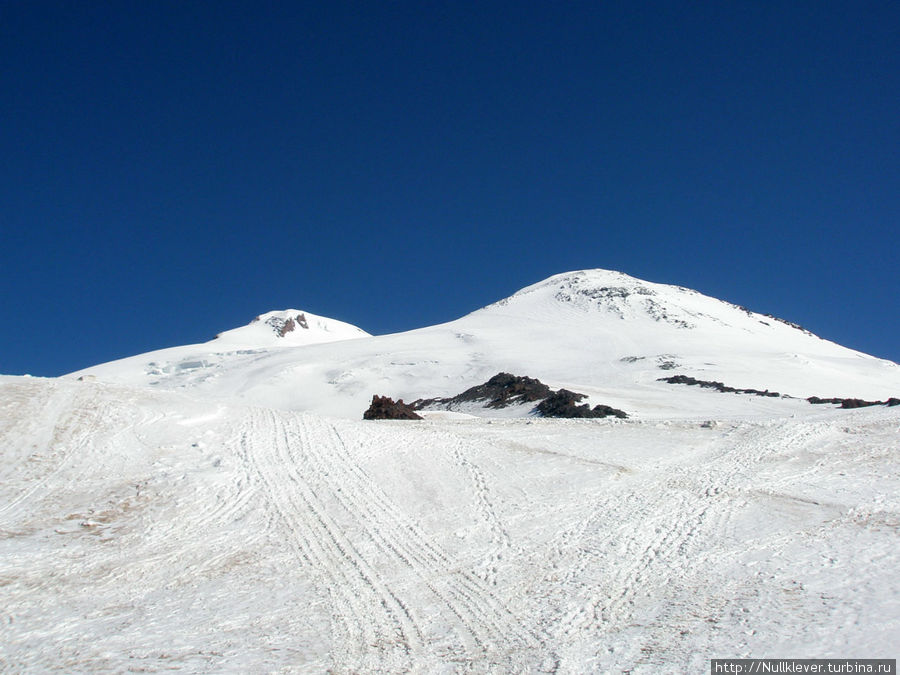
(638, 571)
(500, 540)
(721, 492)
(372, 556)
(79, 418)
(292, 513)
(657, 542)
(372, 629)
(205, 512)
(58, 450)
(215, 506)
(486, 624)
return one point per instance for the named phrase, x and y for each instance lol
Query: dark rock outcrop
(815, 400)
(282, 326)
(774, 318)
(857, 403)
(565, 403)
(385, 408)
(286, 327)
(718, 386)
(853, 402)
(504, 390)
(501, 391)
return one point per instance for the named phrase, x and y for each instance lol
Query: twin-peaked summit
(603, 333)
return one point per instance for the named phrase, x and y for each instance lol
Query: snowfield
(149, 530)
(597, 332)
(223, 508)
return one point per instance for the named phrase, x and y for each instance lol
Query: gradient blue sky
(172, 169)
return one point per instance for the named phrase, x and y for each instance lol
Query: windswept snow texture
(150, 530)
(222, 508)
(603, 333)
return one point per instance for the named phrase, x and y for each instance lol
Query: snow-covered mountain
(193, 510)
(600, 332)
(289, 327)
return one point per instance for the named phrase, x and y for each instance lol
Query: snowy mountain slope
(145, 529)
(233, 350)
(599, 332)
(290, 327)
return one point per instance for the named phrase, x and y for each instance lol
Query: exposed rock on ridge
(815, 400)
(283, 326)
(504, 390)
(718, 386)
(565, 403)
(385, 408)
(501, 391)
(854, 402)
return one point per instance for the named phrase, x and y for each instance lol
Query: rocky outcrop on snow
(504, 390)
(284, 325)
(501, 391)
(853, 402)
(565, 403)
(385, 408)
(615, 299)
(718, 386)
(285, 328)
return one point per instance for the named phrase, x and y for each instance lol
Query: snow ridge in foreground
(157, 530)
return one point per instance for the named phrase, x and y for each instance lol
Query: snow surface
(152, 530)
(223, 508)
(289, 327)
(601, 333)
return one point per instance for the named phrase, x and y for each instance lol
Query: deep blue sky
(171, 169)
